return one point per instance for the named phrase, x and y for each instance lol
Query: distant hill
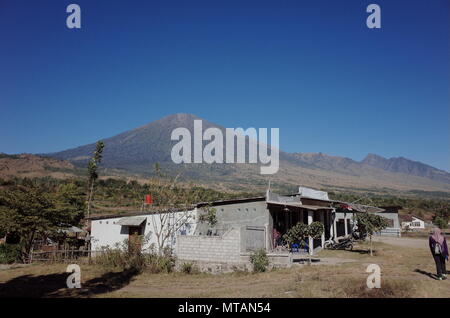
(407, 166)
(28, 165)
(135, 151)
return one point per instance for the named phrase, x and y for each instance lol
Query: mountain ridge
(137, 149)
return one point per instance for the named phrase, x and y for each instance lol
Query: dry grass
(390, 288)
(405, 273)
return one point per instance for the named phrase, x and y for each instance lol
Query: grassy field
(406, 272)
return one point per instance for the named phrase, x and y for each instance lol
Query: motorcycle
(344, 244)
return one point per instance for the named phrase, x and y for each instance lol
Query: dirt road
(403, 242)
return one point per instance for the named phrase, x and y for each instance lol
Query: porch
(285, 215)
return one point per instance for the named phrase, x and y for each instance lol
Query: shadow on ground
(33, 286)
(305, 260)
(359, 251)
(54, 285)
(425, 273)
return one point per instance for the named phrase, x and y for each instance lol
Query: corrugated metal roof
(302, 206)
(231, 201)
(365, 208)
(137, 213)
(72, 229)
(132, 221)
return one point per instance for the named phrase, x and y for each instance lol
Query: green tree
(369, 224)
(315, 230)
(30, 213)
(442, 216)
(296, 234)
(68, 202)
(301, 232)
(92, 171)
(441, 222)
(208, 215)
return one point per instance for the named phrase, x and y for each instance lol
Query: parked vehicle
(344, 244)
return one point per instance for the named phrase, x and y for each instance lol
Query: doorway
(134, 239)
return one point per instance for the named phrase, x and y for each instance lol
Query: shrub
(155, 263)
(10, 253)
(188, 268)
(259, 260)
(296, 234)
(300, 232)
(441, 222)
(315, 229)
(112, 257)
(123, 260)
(120, 257)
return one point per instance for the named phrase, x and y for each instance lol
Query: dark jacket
(432, 244)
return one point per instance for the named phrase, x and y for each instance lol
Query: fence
(60, 255)
(390, 231)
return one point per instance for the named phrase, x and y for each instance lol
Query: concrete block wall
(225, 248)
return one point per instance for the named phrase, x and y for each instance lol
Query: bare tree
(92, 170)
(173, 207)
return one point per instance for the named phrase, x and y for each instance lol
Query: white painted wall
(414, 224)
(106, 232)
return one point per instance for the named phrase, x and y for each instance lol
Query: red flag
(148, 199)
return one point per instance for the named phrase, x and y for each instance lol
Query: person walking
(439, 250)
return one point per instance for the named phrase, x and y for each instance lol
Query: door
(134, 239)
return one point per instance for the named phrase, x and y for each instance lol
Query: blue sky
(311, 68)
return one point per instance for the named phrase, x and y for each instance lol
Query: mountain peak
(180, 116)
(137, 149)
(407, 166)
(372, 157)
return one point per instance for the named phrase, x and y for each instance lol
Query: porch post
(310, 240)
(353, 222)
(286, 220)
(322, 219)
(335, 226)
(345, 224)
(330, 217)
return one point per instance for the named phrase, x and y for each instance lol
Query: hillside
(135, 152)
(403, 165)
(28, 165)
